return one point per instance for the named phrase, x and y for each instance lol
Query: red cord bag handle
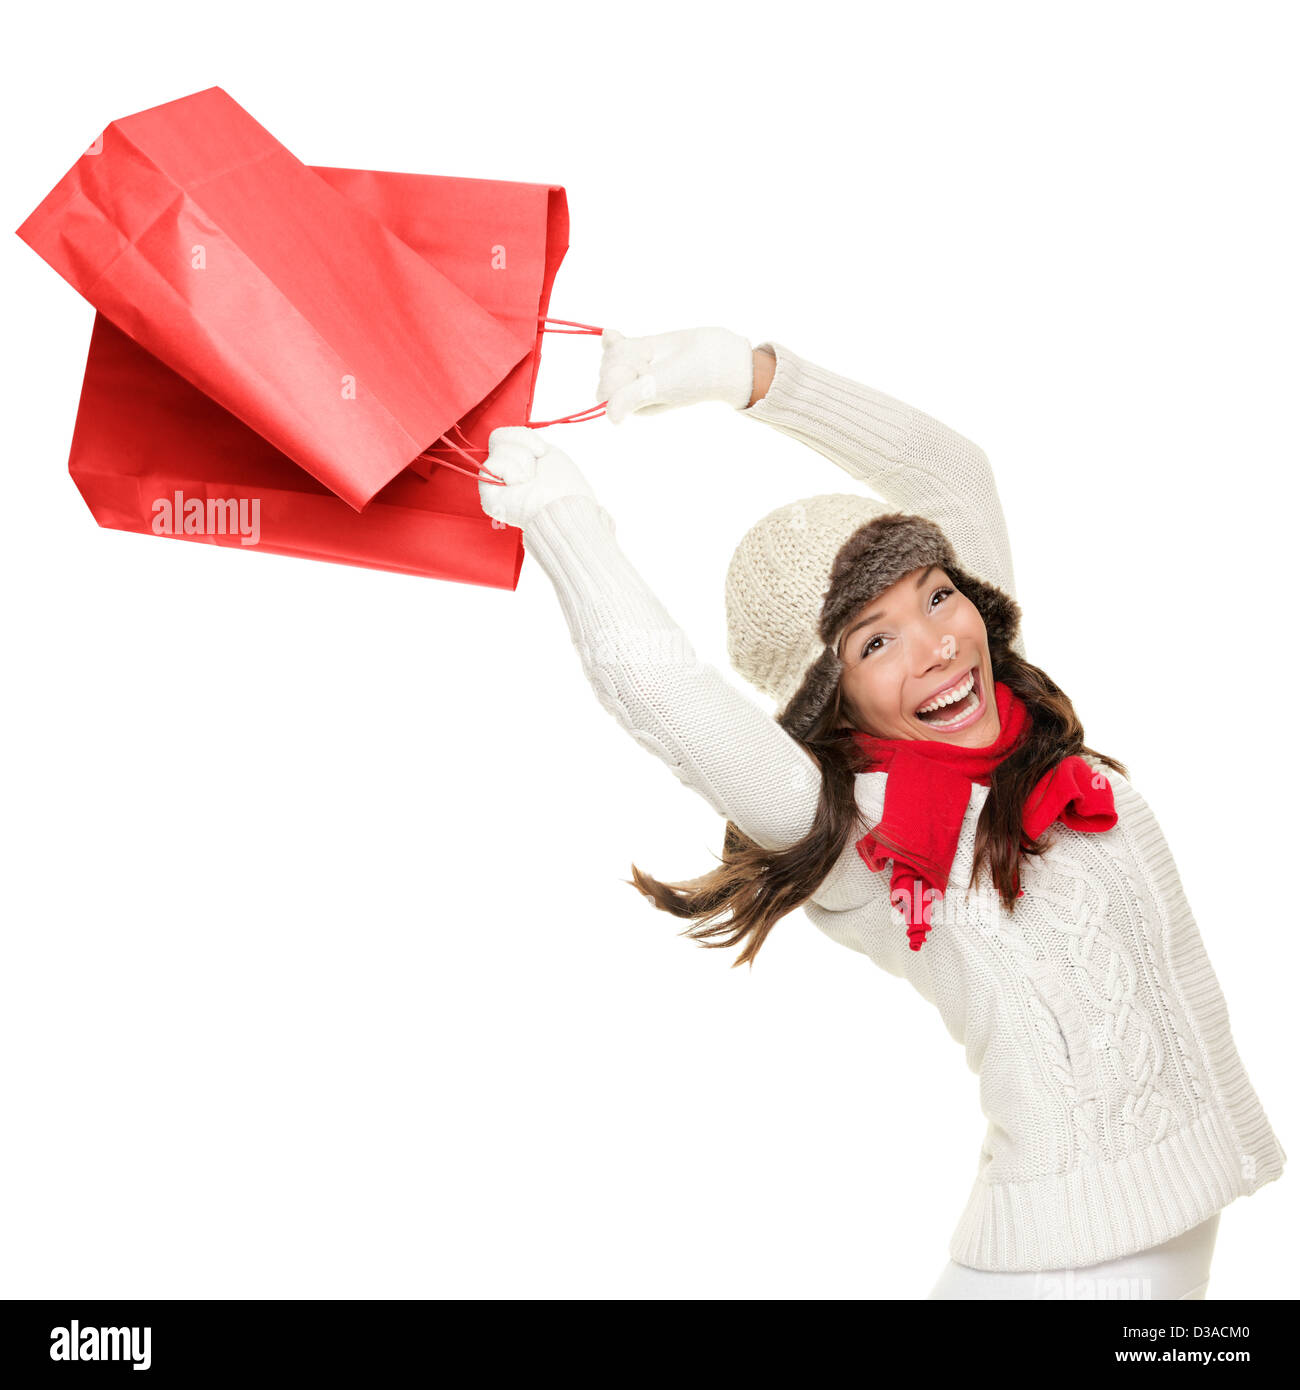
(482, 472)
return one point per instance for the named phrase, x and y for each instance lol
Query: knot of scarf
(927, 792)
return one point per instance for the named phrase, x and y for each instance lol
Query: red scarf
(927, 792)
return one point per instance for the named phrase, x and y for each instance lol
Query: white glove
(534, 473)
(666, 370)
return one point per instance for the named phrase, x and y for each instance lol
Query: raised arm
(641, 664)
(911, 459)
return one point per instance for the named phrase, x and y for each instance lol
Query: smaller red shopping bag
(294, 308)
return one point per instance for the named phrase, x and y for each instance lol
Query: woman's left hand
(534, 472)
(644, 376)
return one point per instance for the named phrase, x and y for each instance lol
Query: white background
(319, 974)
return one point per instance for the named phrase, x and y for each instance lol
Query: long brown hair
(753, 888)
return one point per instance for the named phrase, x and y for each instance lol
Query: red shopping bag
(152, 453)
(291, 306)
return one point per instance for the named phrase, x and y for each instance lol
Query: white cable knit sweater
(1120, 1114)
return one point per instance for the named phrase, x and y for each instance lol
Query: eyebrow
(871, 617)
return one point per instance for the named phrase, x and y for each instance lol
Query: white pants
(1180, 1268)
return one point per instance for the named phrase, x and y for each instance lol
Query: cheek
(869, 685)
(966, 624)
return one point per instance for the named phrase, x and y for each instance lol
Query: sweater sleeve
(645, 673)
(910, 459)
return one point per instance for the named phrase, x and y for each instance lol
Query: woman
(926, 795)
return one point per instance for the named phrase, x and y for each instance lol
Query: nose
(926, 656)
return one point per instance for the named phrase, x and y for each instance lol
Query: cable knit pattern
(1120, 1114)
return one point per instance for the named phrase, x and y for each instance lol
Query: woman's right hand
(533, 472)
(643, 376)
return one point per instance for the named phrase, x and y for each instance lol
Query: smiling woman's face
(920, 639)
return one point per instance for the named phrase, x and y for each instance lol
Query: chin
(977, 736)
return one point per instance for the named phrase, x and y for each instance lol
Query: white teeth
(959, 692)
(947, 723)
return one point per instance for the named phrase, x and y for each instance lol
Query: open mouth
(961, 704)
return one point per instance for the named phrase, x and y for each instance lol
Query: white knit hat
(799, 576)
(776, 583)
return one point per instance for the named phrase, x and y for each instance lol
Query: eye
(940, 594)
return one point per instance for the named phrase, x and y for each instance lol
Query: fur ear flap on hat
(813, 695)
(1001, 613)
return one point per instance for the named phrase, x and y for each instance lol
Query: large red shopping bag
(152, 453)
(293, 307)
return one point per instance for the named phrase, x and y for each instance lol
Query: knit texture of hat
(776, 583)
(800, 574)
